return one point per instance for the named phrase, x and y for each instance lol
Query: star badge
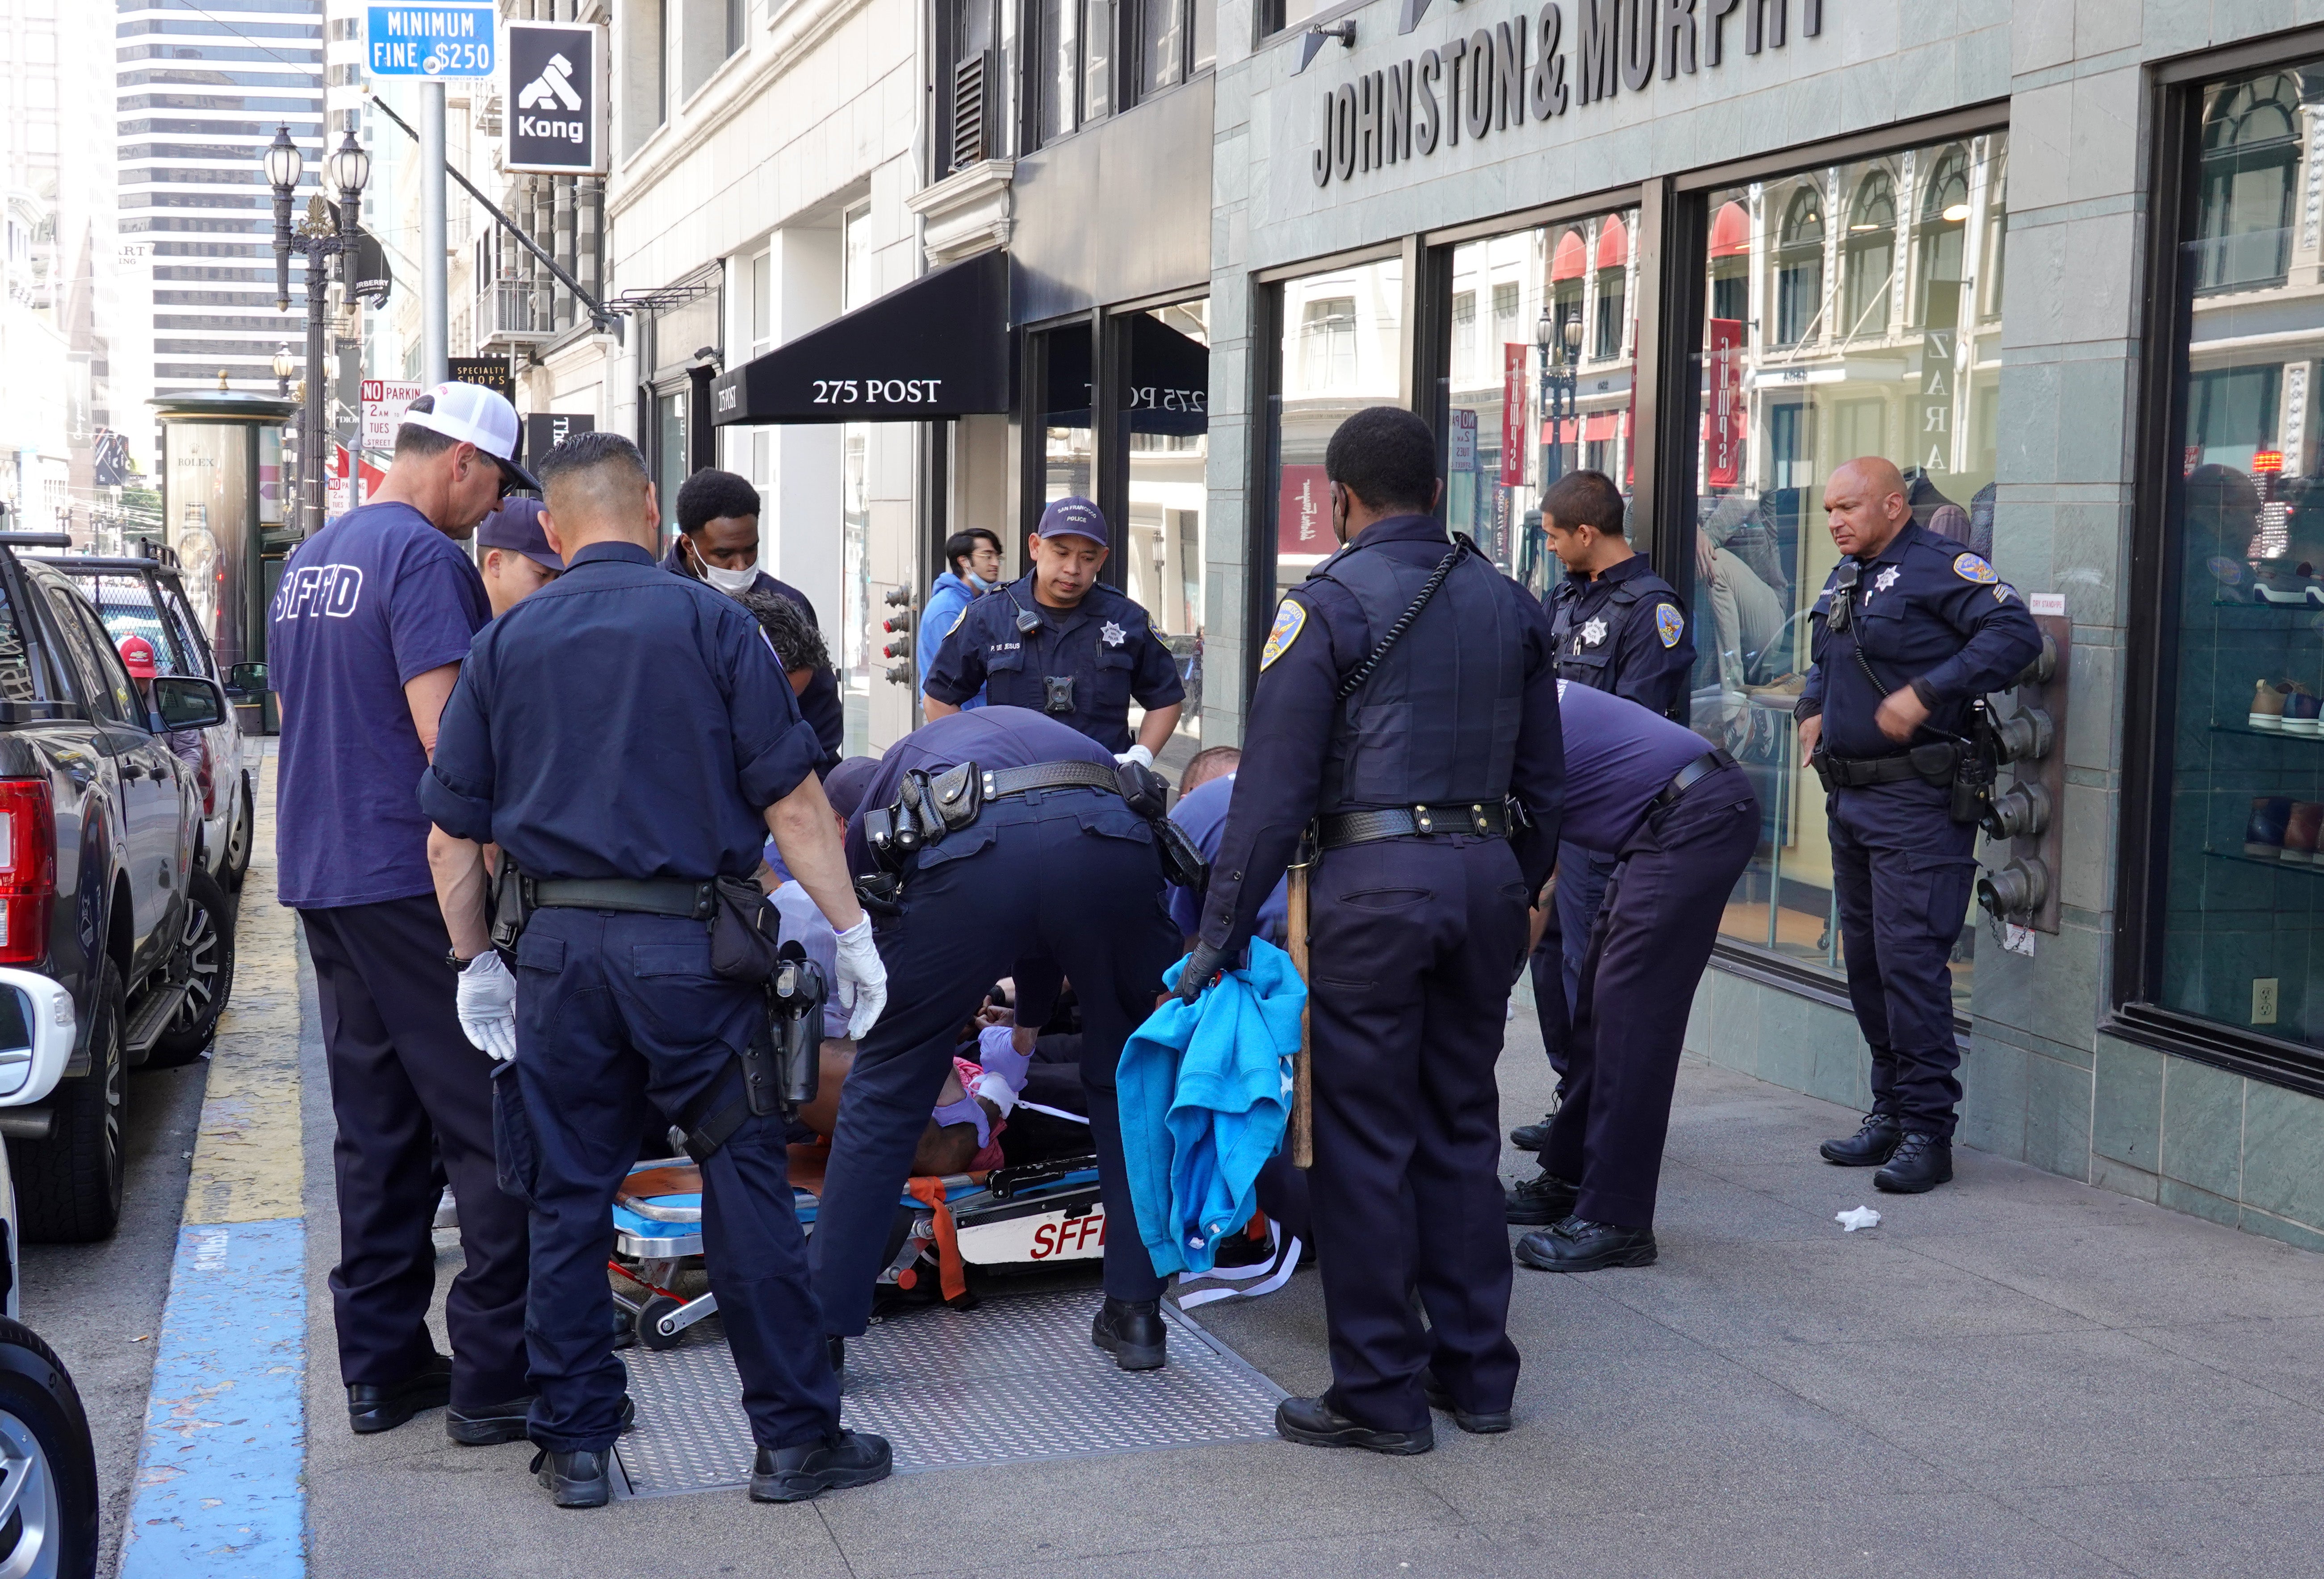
(1593, 632)
(1112, 633)
(1885, 579)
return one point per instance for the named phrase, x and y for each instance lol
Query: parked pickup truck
(109, 925)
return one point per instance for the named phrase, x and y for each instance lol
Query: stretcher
(1036, 1214)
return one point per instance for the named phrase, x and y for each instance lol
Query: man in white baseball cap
(367, 635)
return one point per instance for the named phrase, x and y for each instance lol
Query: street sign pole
(434, 334)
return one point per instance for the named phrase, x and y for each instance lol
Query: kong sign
(556, 98)
(1498, 77)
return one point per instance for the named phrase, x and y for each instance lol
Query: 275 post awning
(935, 348)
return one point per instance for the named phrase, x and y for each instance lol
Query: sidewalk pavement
(2017, 1374)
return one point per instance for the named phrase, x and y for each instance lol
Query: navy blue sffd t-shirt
(375, 599)
(1619, 757)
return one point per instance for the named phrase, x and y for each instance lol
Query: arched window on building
(2251, 164)
(1868, 265)
(1731, 263)
(1568, 264)
(1938, 239)
(1799, 267)
(1613, 309)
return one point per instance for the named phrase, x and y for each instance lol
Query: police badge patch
(1670, 624)
(1289, 621)
(1970, 567)
(1112, 633)
(1593, 631)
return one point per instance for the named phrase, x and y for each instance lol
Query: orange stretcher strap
(952, 1277)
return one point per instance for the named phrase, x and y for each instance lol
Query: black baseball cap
(515, 527)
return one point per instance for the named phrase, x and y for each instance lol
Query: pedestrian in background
(1061, 642)
(517, 561)
(973, 558)
(718, 543)
(368, 632)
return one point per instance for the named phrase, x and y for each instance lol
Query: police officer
(1680, 823)
(718, 543)
(1433, 836)
(627, 736)
(1908, 631)
(1619, 628)
(1060, 643)
(1056, 871)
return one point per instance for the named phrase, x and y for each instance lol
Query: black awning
(935, 348)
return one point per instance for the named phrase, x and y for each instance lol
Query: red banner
(1724, 421)
(1303, 511)
(1513, 415)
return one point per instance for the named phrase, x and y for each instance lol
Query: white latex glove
(862, 978)
(487, 1005)
(1135, 753)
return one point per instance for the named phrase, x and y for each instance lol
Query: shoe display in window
(2266, 707)
(2264, 834)
(2284, 588)
(2300, 830)
(2299, 712)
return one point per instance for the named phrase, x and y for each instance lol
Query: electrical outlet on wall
(2263, 1000)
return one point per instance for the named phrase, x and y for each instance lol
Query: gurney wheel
(650, 1317)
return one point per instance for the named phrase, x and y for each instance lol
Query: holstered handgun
(1979, 767)
(795, 999)
(509, 911)
(1820, 760)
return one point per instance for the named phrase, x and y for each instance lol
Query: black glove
(1201, 966)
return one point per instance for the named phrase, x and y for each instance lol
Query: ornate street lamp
(319, 237)
(285, 365)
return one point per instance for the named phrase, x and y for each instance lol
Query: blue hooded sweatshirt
(948, 599)
(1204, 1090)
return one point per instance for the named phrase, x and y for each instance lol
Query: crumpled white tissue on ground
(1856, 1217)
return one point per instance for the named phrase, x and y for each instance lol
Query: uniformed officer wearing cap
(1908, 631)
(1059, 642)
(627, 736)
(1433, 773)
(1619, 628)
(1058, 873)
(516, 560)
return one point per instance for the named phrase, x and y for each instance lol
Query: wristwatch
(452, 957)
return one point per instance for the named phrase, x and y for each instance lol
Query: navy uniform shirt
(998, 737)
(1926, 614)
(1103, 643)
(621, 722)
(1639, 648)
(1296, 706)
(819, 704)
(1625, 754)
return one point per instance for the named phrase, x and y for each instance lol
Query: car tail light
(28, 868)
(206, 776)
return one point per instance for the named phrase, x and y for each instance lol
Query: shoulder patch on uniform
(1290, 619)
(1670, 623)
(1972, 568)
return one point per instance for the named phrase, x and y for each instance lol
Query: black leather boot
(383, 1408)
(844, 1458)
(1921, 1163)
(1476, 1422)
(1533, 1137)
(580, 1478)
(1869, 1146)
(1542, 1200)
(1580, 1245)
(1313, 1423)
(1132, 1332)
(487, 1425)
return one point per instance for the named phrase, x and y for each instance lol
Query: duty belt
(1688, 776)
(693, 902)
(1858, 772)
(1487, 819)
(1003, 782)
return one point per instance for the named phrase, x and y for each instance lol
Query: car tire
(239, 836)
(210, 940)
(68, 1185)
(48, 1462)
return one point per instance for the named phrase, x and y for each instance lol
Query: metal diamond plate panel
(1015, 1379)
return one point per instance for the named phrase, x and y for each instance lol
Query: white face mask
(978, 582)
(733, 583)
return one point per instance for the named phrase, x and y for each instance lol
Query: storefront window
(2244, 905)
(1543, 392)
(1342, 337)
(1165, 420)
(855, 656)
(1068, 449)
(1806, 366)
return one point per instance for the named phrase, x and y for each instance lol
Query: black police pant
(615, 1011)
(407, 1083)
(1646, 955)
(1412, 946)
(1069, 875)
(1903, 869)
(1558, 956)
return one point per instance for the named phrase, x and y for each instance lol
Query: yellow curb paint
(248, 1167)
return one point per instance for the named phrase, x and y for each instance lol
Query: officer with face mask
(718, 543)
(974, 556)
(1060, 643)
